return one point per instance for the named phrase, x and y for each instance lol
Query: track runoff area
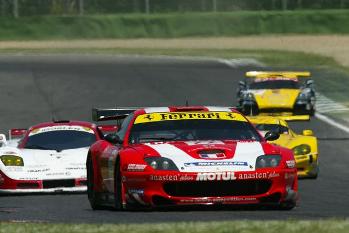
(35, 87)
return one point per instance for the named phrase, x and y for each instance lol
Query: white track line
(332, 122)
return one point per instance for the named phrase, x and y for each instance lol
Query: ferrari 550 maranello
(50, 157)
(175, 156)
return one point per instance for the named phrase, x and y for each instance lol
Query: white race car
(50, 157)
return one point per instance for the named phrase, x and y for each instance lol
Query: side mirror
(309, 83)
(113, 138)
(3, 141)
(242, 84)
(308, 132)
(271, 136)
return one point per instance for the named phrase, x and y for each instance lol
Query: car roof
(70, 123)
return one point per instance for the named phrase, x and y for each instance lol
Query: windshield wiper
(38, 147)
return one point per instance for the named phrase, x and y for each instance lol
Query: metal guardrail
(16, 8)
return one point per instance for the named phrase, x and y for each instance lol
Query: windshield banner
(60, 127)
(171, 116)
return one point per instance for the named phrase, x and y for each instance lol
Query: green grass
(235, 23)
(243, 226)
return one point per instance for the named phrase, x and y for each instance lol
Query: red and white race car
(48, 157)
(169, 156)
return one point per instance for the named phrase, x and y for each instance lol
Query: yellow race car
(304, 146)
(276, 93)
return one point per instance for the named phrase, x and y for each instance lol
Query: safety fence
(19, 8)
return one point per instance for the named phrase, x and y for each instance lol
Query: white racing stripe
(246, 152)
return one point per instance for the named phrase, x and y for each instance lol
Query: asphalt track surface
(34, 88)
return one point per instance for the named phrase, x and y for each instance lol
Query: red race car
(172, 156)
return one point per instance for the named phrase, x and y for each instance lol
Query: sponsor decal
(28, 178)
(172, 177)
(273, 175)
(59, 128)
(186, 178)
(9, 153)
(291, 163)
(14, 169)
(38, 170)
(164, 177)
(209, 176)
(170, 116)
(56, 174)
(76, 168)
(221, 163)
(136, 167)
(272, 78)
(224, 199)
(258, 175)
(204, 142)
(204, 176)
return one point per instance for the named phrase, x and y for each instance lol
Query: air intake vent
(58, 183)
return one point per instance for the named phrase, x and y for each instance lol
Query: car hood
(208, 156)
(278, 98)
(47, 164)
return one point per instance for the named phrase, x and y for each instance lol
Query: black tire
(118, 188)
(287, 205)
(315, 174)
(91, 193)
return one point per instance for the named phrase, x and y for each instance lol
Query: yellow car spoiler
(277, 74)
(284, 117)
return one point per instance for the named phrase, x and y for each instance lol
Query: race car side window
(121, 133)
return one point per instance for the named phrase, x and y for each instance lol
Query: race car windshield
(272, 127)
(60, 140)
(180, 130)
(275, 84)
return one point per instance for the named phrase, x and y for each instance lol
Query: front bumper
(307, 165)
(11, 186)
(175, 188)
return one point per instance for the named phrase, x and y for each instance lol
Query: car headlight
(265, 161)
(248, 96)
(160, 163)
(304, 95)
(12, 160)
(301, 149)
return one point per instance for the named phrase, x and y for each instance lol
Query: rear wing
(105, 129)
(277, 74)
(284, 117)
(295, 118)
(108, 114)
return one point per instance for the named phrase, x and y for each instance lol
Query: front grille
(217, 188)
(275, 110)
(58, 183)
